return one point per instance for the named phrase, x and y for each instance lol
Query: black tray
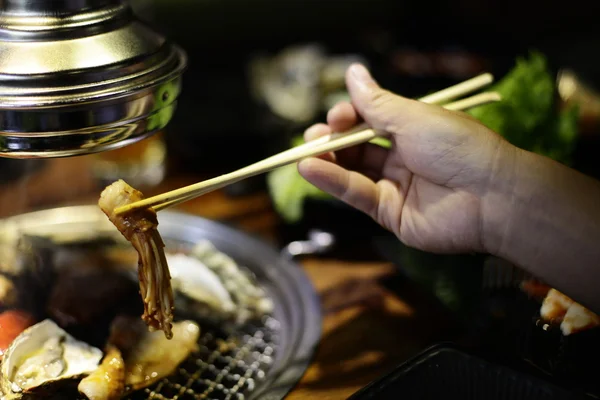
(443, 371)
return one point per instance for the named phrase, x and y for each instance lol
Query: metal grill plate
(263, 359)
(224, 367)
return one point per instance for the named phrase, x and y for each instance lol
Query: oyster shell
(250, 299)
(42, 355)
(12, 324)
(190, 277)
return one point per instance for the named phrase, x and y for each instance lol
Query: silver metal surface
(318, 242)
(263, 359)
(223, 368)
(81, 76)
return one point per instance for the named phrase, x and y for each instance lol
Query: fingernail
(315, 131)
(312, 131)
(361, 74)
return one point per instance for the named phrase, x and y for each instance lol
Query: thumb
(380, 108)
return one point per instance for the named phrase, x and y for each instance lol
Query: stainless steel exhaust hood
(81, 76)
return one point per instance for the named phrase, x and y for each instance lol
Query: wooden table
(371, 320)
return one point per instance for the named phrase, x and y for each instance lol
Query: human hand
(438, 185)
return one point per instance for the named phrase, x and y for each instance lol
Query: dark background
(216, 112)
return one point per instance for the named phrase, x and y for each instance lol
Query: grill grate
(228, 367)
(234, 363)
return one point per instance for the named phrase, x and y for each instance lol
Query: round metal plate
(297, 309)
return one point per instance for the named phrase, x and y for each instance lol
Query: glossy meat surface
(108, 381)
(149, 356)
(140, 228)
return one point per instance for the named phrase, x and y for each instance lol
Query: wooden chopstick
(473, 101)
(335, 142)
(464, 104)
(178, 196)
(444, 95)
(450, 93)
(458, 90)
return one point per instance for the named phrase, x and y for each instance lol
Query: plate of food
(86, 315)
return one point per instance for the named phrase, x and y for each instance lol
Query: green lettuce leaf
(527, 116)
(288, 190)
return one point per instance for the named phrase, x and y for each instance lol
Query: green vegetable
(527, 115)
(164, 105)
(288, 190)
(383, 142)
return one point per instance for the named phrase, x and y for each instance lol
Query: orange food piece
(12, 323)
(535, 288)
